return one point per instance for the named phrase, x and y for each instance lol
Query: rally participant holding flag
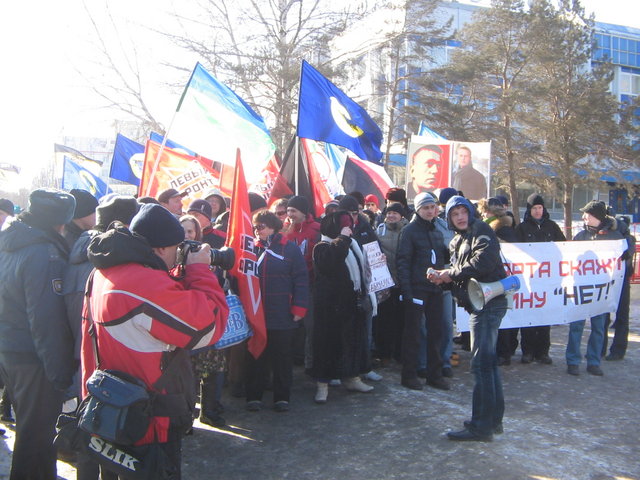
(284, 285)
(244, 274)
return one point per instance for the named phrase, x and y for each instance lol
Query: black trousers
(279, 356)
(536, 340)
(388, 326)
(432, 309)
(89, 470)
(37, 405)
(507, 342)
(621, 325)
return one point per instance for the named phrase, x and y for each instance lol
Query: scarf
(356, 265)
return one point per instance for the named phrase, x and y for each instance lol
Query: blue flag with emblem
(127, 160)
(325, 113)
(75, 176)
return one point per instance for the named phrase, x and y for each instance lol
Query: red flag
(264, 185)
(240, 238)
(185, 173)
(321, 174)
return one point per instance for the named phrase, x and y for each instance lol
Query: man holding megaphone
(475, 254)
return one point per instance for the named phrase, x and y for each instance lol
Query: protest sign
(380, 275)
(561, 282)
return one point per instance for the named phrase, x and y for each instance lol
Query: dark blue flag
(127, 161)
(325, 113)
(75, 176)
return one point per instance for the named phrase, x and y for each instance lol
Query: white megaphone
(481, 293)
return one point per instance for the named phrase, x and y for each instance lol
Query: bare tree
(119, 80)
(256, 48)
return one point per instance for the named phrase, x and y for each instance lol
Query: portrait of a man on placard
(428, 168)
(471, 169)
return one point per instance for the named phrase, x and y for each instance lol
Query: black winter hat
(200, 206)
(330, 224)
(595, 208)
(349, 203)
(6, 206)
(51, 207)
(446, 194)
(495, 202)
(114, 207)
(144, 200)
(158, 226)
(534, 199)
(85, 203)
(299, 203)
(397, 195)
(396, 207)
(256, 202)
(503, 200)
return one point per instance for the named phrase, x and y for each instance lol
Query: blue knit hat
(157, 225)
(51, 207)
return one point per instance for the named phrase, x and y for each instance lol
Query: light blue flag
(425, 131)
(327, 114)
(127, 161)
(214, 121)
(75, 176)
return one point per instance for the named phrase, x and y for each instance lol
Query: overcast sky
(43, 98)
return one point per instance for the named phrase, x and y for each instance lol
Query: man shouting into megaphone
(475, 253)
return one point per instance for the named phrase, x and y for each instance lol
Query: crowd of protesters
(314, 279)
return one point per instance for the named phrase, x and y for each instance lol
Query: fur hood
(496, 222)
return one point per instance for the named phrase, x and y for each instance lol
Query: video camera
(223, 258)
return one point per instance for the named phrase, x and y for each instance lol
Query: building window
(629, 83)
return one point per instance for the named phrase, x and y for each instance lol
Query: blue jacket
(33, 318)
(284, 282)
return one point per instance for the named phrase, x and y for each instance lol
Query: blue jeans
(596, 340)
(488, 399)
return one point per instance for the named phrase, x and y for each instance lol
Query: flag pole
(157, 160)
(166, 135)
(295, 164)
(297, 144)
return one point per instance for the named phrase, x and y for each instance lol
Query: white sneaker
(373, 376)
(322, 393)
(335, 382)
(356, 385)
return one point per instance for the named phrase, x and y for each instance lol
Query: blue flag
(425, 131)
(127, 161)
(325, 113)
(156, 137)
(75, 176)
